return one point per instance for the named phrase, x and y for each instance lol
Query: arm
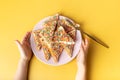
(26, 55)
(81, 61)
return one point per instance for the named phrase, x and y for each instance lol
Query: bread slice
(52, 21)
(45, 38)
(46, 51)
(56, 50)
(72, 34)
(39, 44)
(49, 27)
(37, 39)
(47, 34)
(62, 37)
(68, 26)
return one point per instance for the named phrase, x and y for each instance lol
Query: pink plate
(64, 58)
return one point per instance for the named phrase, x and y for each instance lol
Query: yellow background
(97, 17)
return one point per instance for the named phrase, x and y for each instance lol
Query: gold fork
(93, 38)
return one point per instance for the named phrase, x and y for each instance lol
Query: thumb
(18, 43)
(20, 47)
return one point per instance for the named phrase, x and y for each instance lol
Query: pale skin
(26, 56)
(81, 60)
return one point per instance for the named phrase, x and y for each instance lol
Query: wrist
(26, 61)
(81, 66)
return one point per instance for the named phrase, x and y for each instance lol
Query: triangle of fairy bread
(46, 35)
(37, 39)
(63, 38)
(68, 26)
(39, 44)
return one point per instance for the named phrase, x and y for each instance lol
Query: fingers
(86, 42)
(83, 50)
(26, 37)
(20, 48)
(18, 43)
(80, 51)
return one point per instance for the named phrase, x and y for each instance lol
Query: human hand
(24, 47)
(81, 58)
